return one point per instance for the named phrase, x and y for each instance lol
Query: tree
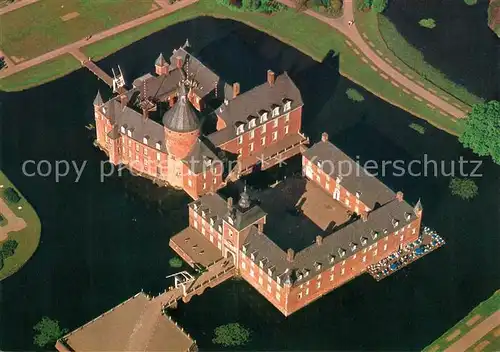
(1, 260)
(463, 188)
(47, 332)
(175, 262)
(8, 248)
(231, 335)
(364, 4)
(11, 195)
(482, 130)
(379, 5)
(335, 6)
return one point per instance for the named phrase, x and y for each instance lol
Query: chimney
(324, 137)
(399, 196)
(260, 228)
(230, 203)
(236, 89)
(290, 254)
(179, 62)
(364, 216)
(319, 240)
(270, 77)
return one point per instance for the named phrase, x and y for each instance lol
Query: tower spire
(98, 99)
(418, 208)
(244, 202)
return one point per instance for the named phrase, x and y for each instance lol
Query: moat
(104, 241)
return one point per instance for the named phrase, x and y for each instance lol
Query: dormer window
(363, 241)
(287, 104)
(195, 206)
(123, 129)
(240, 128)
(129, 132)
(262, 262)
(358, 194)
(230, 219)
(212, 221)
(374, 235)
(332, 258)
(341, 252)
(353, 246)
(244, 248)
(395, 223)
(407, 216)
(278, 280)
(385, 231)
(145, 140)
(203, 214)
(338, 179)
(270, 271)
(207, 161)
(317, 266)
(158, 145)
(253, 254)
(276, 110)
(251, 122)
(263, 116)
(220, 228)
(299, 276)
(306, 272)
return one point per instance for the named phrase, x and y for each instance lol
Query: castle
(240, 131)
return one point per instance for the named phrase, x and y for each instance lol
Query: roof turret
(98, 99)
(160, 61)
(181, 117)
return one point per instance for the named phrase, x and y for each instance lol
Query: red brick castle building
(259, 126)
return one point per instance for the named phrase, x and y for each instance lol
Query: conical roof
(160, 61)
(181, 117)
(98, 99)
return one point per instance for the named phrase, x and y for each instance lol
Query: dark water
(461, 45)
(103, 242)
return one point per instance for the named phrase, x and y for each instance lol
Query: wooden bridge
(216, 273)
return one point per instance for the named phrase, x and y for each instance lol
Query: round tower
(182, 127)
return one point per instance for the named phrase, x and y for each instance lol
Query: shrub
(364, 4)
(470, 2)
(11, 195)
(379, 5)
(175, 262)
(47, 332)
(463, 188)
(335, 6)
(419, 128)
(9, 247)
(427, 23)
(354, 95)
(230, 335)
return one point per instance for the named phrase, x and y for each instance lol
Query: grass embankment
(41, 27)
(475, 317)
(42, 73)
(27, 239)
(409, 60)
(295, 29)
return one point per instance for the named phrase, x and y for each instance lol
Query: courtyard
(298, 211)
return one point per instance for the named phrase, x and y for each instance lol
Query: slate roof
(98, 99)
(181, 117)
(126, 119)
(199, 155)
(252, 102)
(160, 61)
(359, 180)
(206, 78)
(158, 87)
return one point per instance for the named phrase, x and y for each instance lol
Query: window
(286, 129)
(299, 296)
(287, 117)
(239, 151)
(146, 151)
(190, 183)
(203, 230)
(212, 240)
(260, 280)
(263, 141)
(275, 136)
(342, 271)
(204, 185)
(364, 259)
(219, 245)
(214, 180)
(137, 147)
(276, 111)
(251, 124)
(278, 296)
(263, 128)
(252, 274)
(385, 247)
(375, 252)
(307, 291)
(158, 156)
(252, 134)
(158, 145)
(230, 233)
(327, 186)
(240, 139)
(243, 265)
(251, 147)
(269, 288)
(195, 223)
(347, 202)
(275, 123)
(356, 209)
(240, 129)
(331, 277)
(263, 116)
(318, 284)
(287, 105)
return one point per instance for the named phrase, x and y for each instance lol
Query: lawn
(484, 309)
(388, 40)
(38, 28)
(44, 72)
(295, 29)
(28, 238)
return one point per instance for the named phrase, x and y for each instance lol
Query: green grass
(28, 238)
(42, 73)
(484, 309)
(290, 27)
(382, 32)
(38, 28)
